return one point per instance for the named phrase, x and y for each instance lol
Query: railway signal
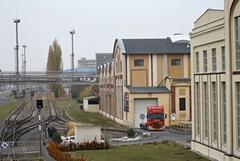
(32, 93)
(39, 104)
(39, 107)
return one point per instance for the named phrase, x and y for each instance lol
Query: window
(205, 62)
(224, 111)
(182, 104)
(197, 62)
(238, 112)
(197, 109)
(238, 43)
(138, 62)
(214, 60)
(215, 111)
(176, 62)
(205, 114)
(223, 59)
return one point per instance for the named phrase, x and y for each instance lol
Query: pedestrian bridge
(48, 78)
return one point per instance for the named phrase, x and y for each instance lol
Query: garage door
(140, 106)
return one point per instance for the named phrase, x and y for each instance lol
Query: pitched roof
(155, 46)
(215, 14)
(148, 90)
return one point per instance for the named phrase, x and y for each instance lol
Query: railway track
(15, 127)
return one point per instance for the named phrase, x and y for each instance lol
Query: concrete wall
(87, 133)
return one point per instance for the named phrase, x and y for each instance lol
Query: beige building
(139, 69)
(83, 62)
(216, 83)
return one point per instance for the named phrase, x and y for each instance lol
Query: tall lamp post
(24, 68)
(72, 55)
(72, 66)
(16, 21)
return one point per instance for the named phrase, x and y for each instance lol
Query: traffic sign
(142, 116)
(4, 145)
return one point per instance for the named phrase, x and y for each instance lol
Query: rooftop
(155, 46)
(148, 90)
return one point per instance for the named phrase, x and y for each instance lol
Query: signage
(4, 145)
(173, 116)
(39, 104)
(142, 116)
(126, 102)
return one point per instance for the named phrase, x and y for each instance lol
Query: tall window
(214, 111)
(182, 104)
(205, 62)
(224, 110)
(205, 103)
(238, 111)
(197, 109)
(197, 62)
(238, 43)
(223, 59)
(214, 60)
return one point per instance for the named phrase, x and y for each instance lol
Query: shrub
(56, 137)
(51, 130)
(131, 133)
(58, 155)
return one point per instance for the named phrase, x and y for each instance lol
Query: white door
(140, 106)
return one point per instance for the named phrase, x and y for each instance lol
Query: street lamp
(72, 55)
(24, 68)
(16, 21)
(72, 62)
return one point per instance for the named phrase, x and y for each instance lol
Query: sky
(97, 24)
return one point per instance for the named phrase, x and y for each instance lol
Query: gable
(208, 16)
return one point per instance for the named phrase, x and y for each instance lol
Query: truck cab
(155, 118)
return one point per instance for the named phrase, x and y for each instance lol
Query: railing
(49, 77)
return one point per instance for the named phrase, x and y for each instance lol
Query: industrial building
(83, 62)
(103, 58)
(146, 72)
(215, 51)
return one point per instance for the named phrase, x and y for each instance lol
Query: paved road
(160, 136)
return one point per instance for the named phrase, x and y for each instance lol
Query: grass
(146, 152)
(86, 117)
(7, 107)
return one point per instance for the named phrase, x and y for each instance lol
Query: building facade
(103, 58)
(139, 69)
(216, 83)
(83, 62)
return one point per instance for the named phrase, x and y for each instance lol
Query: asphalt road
(159, 136)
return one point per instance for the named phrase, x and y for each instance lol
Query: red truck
(155, 118)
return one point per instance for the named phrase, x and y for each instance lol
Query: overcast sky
(97, 24)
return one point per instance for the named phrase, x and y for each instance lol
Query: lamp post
(16, 21)
(24, 68)
(72, 55)
(72, 66)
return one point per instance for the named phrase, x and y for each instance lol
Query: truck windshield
(156, 116)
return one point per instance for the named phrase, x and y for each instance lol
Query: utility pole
(16, 21)
(24, 68)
